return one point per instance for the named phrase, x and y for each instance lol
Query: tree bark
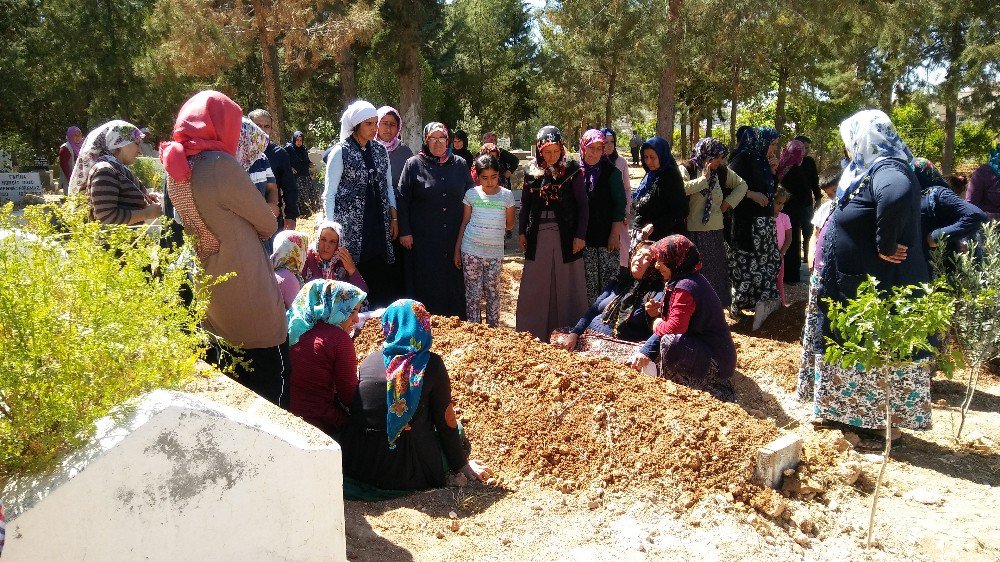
(609, 103)
(693, 138)
(734, 105)
(709, 122)
(952, 84)
(683, 135)
(779, 108)
(348, 77)
(409, 83)
(269, 67)
(665, 103)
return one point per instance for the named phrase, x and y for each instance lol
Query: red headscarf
(679, 254)
(792, 156)
(207, 121)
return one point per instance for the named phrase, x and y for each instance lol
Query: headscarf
(74, 146)
(326, 267)
(927, 174)
(619, 310)
(300, 151)
(994, 161)
(406, 325)
(591, 136)
(794, 153)
(462, 136)
(662, 149)
(321, 300)
(358, 111)
(679, 254)
(608, 132)
(869, 137)
(290, 247)
(746, 136)
(549, 135)
(98, 147)
(394, 143)
(490, 136)
(208, 121)
(490, 148)
(704, 151)
(253, 141)
(426, 151)
(755, 141)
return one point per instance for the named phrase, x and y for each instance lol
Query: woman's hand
(898, 257)
(639, 361)
(931, 242)
(523, 240)
(458, 258)
(393, 229)
(657, 322)
(614, 241)
(345, 258)
(568, 341)
(654, 308)
(406, 242)
(476, 470)
(724, 206)
(758, 198)
(151, 212)
(155, 197)
(578, 245)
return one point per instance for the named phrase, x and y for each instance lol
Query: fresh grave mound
(574, 421)
(778, 359)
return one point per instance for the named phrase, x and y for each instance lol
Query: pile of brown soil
(775, 360)
(576, 422)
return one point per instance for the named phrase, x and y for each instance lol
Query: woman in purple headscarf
(606, 197)
(68, 153)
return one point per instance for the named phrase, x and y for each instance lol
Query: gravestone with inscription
(14, 187)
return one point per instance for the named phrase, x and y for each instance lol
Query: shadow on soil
(980, 468)
(953, 392)
(759, 402)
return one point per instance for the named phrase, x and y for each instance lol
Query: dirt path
(940, 504)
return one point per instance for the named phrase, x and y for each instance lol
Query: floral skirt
(811, 334)
(856, 397)
(600, 267)
(714, 265)
(686, 360)
(754, 274)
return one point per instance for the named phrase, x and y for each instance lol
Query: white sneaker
(762, 311)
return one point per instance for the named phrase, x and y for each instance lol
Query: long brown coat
(247, 309)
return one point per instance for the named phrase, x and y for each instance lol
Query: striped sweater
(115, 193)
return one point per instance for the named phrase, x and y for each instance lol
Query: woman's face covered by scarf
(253, 141)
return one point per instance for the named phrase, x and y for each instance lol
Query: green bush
(90, 316)
(150, 172)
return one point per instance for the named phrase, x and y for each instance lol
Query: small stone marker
(13, 187)
(775, 457)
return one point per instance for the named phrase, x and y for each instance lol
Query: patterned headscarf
(549, 135)
(794, 153)
(426, 151)
(406, 325)
(704, 151)
(380, 113)
(326, 267)
(290, 247)
(612, 137)
(869, 138)
(927, 174)
(759, 145)
(592, 136)
(994, 161)
(662, 149)
(620, 309)
(321, 300)
(679, 254)
(358, 111)
(73, 145)
(253, 141)
(489, 148)
(98, 147)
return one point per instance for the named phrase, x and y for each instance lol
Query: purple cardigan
(984, 191)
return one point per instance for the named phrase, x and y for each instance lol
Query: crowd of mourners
(646, 276)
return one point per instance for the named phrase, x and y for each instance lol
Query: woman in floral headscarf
(288, 258)
(754, 258)
(328, 259)
(983, 190)
(696, 347)
(219, 206)
(874, 230)
(403, 433)
(324, 361)
(712, 189)
(115, 194)
(552, 224)
(431, 194)
(606, 201)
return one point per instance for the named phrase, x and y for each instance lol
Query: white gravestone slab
(13, 187)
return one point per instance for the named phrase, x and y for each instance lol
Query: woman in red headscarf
(219, 205)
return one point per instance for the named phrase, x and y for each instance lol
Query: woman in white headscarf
(115, 194)
(874, 224)
(359, 195)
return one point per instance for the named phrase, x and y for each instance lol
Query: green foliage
(885, 330)
(323, 132)
(920, 130)
(150, 172)
(90, 316)
(973, 141)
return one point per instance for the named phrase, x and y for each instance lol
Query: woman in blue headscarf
(754, 259)
(659, 200)
(403, 433)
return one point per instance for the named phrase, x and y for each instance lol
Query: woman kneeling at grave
(403, 434)
(696, 347)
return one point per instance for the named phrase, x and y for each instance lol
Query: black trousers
(263, 370)
(798, 250)
(383, 280)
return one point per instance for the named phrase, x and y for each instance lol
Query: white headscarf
(358, 111)
(99, 146)
(869, 138)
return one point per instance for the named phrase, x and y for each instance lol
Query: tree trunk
(693, 116)
(683, 135)
(269, 67)
(665, 103)
(409, 83)
(709, 122)
(608, 104)
(348, 77)
(734, 105)
(952, 84)
(779, 108)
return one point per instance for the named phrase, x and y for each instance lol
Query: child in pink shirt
(783, 226)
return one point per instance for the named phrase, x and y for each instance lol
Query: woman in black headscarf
(309, 193)
(460, 147)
